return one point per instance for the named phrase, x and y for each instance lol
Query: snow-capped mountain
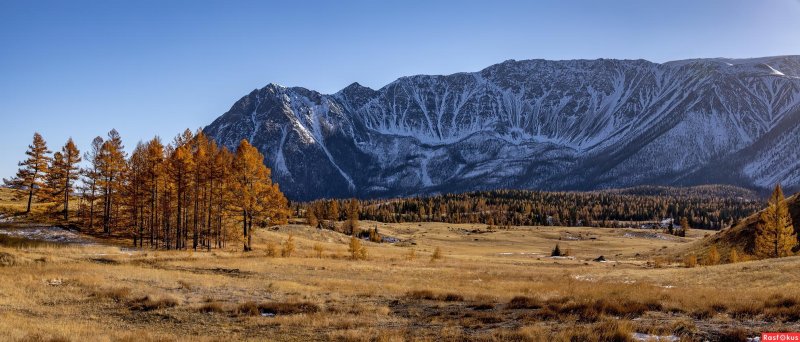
(533, 124)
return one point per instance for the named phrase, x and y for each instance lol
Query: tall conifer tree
(32, 171)
(775, 236)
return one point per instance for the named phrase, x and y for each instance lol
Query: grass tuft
(150, 302)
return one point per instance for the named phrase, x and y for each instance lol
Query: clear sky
(146, 67)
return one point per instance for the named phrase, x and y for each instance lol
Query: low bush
(318, 250)
(421, 294)
(212, 307)
(606, 330)
(690, 261)
(288, 247)
(452, 297)
(437, 254)
(734, 335)
(7, 259)
(585, 310)
(522, 302)
(429, 295)
(150, 302)
(248, 309)
(356, 250)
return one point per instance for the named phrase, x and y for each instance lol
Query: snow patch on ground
(647, 235)
(48, 234)
(656, 338)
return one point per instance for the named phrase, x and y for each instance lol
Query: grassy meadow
(493, 285)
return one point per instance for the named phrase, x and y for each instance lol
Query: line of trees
(190, 193)
(521, 207)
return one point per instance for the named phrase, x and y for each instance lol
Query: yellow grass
(487, 285)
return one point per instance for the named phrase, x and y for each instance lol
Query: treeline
(190, 193)
(521, 207)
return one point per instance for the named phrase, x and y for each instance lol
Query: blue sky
(79, 68)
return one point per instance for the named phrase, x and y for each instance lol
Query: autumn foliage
(190, 193)
(775, 236)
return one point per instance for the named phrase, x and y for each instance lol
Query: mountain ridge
(531, 124)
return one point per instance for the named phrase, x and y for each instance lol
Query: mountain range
(531, 124)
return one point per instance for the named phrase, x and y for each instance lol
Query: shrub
(212, 307)
(7, 259)
(703, 313)
(150, 302)
(690, 261)
(607, 330)
(356, 250)
(437, 254)
(288, 247)
(746, 310)
(411, 255)
(733, 335)
(248, 309)
(311, 218)
(614, 330)
(421, 294)
(374, 236)
(733, 256)
(522, 302)
(185, 284)
(684, 328)
(452, 297)
(429, 295)
(712, 258)
(271, 249)
(556, 251)
(318, 250)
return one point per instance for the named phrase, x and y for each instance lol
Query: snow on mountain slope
(579, 124)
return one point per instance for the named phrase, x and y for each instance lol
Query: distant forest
(705, 207)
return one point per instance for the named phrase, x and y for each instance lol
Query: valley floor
(488, 285)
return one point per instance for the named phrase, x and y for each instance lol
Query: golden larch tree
(32, 171)
(53, 179)
(775, 236)
(257, 199)
(154, 159)
(352, 210)
(112, 168)
(70, 158)
(92, 178)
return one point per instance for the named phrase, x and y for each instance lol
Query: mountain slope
(742, 236)
(534, 124)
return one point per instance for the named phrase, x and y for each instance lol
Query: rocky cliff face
(534, 124)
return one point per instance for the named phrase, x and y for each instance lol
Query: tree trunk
(210, 202)
(66, 198)
(91, 206)
(194, 215)
(244, 229)
(30, 198)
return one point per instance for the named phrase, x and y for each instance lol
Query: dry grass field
(488, 285)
